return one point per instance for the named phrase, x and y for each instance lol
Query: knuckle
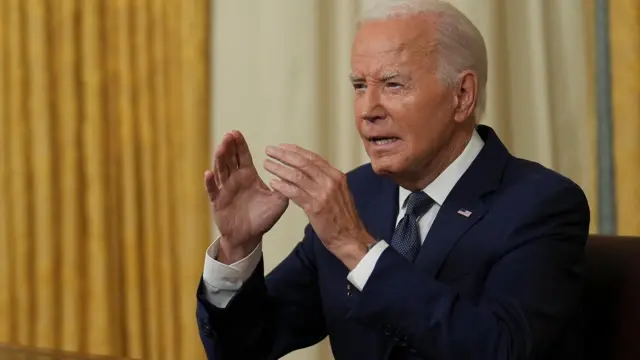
(332, 185)
(298, 176)
(315, 208)
(293, 190)
(323, 198)
(303, 162)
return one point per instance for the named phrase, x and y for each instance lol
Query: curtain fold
(67, 130)
(5, 245)
(104, 123)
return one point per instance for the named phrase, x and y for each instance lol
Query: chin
(386, 165)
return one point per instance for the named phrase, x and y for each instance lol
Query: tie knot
(418, 203)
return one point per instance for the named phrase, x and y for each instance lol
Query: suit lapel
(465, 205)
(448, 227)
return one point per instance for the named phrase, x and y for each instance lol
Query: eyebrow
(354, 78)
(385, 76)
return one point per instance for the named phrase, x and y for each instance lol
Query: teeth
(384, 141)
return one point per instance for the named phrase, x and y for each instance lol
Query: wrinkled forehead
(392, 45)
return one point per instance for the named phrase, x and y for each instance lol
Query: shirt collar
(440, 188)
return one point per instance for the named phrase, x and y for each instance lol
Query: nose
(372, 109)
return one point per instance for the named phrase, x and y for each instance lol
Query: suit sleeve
(269, 316)
(530, 294)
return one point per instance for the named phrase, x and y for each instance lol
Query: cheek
(358, 111)
(418, 124)
(357, 105)
(419, 112)
(408, 119)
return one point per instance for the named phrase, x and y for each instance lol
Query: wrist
(230, 252)
(352, 253)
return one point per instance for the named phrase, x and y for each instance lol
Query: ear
(466, 95)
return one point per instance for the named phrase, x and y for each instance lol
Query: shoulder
(532, 176)
(529, 188)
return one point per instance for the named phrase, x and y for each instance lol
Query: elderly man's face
(403, 113)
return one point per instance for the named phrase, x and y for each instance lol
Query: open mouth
(381, 140)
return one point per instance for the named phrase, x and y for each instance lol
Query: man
(443, 247)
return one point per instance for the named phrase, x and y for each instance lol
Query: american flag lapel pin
(464, 212)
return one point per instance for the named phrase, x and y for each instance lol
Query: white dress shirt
(223, 281)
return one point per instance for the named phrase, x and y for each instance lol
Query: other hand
(322, 192)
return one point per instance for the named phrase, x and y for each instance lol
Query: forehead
(397, 44)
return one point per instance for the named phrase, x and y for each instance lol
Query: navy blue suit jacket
(503, 283)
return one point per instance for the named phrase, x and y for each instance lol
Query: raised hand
(244, 207)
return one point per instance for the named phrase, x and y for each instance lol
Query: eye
(359, 86)
(394, 85)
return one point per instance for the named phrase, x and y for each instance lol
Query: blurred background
(110, 109)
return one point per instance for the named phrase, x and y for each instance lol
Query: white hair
(460, 45)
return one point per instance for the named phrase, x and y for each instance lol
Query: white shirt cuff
(222, 281)
(360, 274)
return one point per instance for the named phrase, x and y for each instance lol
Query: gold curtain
(624, 20)
(104, 135)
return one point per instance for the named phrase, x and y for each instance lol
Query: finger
(242, 150)
(296, 161)
(291, 192)
(220, 167)
(290, 175)
(210, 185)
(230, 158)
(314, 158)
(216, 178)
(307, 154)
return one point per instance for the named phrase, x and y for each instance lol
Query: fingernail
(271, 149)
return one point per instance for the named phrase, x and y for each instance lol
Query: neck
(429, 171)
